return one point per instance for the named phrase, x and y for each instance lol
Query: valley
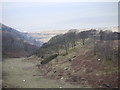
(23, 73)
(64, 44)
(45, 36)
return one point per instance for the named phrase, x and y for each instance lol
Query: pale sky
(39, 16)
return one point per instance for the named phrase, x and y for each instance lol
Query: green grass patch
(108, 62)
(109, 67)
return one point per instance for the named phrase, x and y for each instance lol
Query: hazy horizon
(33, 17)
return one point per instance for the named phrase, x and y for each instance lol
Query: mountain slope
(16, 44)
(20, 35)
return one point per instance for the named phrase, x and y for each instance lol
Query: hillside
(87, 58)
(17, 44)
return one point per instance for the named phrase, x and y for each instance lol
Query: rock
(55, 71)
(60, 87)
(56, 65)
(74, 56)
(106, 85)
(82, 79)
(97, 74)
(5, 86)
(60, 75)
(38, 65)
(74, 78)
(70, 60)
(66, 68)
(99, 59)
(24, 80)
(61, 78)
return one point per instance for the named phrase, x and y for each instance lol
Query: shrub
(48, 59)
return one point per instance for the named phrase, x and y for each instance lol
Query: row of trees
(101, 41)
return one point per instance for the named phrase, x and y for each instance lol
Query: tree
(83, 35)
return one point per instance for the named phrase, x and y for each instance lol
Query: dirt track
(22, 73)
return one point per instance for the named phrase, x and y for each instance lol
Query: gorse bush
(48, 59)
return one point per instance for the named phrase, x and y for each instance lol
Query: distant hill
(17, 44)
(45, 36)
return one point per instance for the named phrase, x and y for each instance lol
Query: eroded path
(22, 73)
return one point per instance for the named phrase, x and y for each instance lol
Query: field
(22, 73)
